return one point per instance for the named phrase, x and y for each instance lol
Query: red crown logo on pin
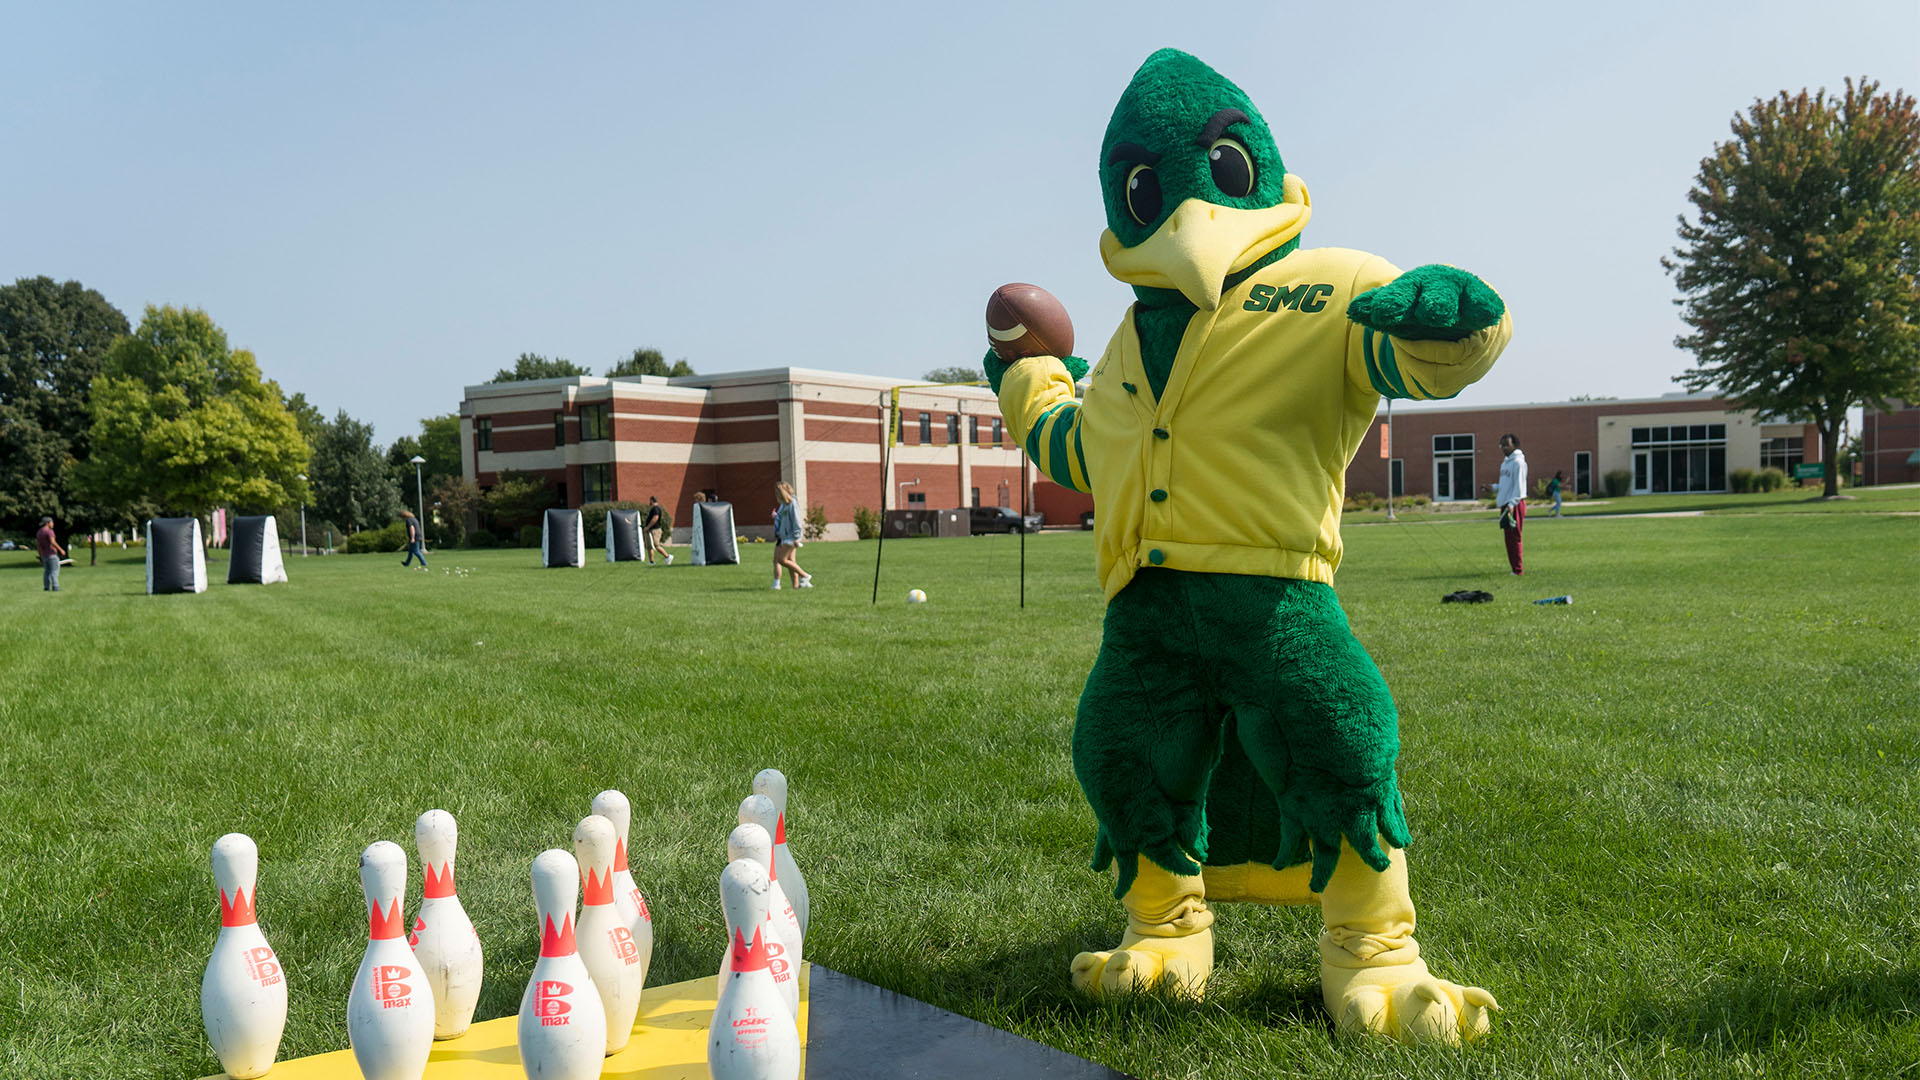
(598, 890)
(438, 884)
(558, 942)
(780, 830)
(619, 854)
(237, 913)
(383, 925)
(750, 957)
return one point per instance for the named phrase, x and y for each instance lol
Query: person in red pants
(1512, 497)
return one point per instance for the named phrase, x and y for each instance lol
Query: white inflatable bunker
(713, 536)
(624, 543)
(176, 560)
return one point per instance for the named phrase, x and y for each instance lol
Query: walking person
(48, 545)
(786, 538)
(416, 540)
(653, 529)
(1511, 497)
(1553, 489)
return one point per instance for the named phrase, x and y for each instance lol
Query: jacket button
(1159, 495)
(1129, 388)
(1156, 556)
(1161, 433)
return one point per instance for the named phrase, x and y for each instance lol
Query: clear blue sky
(389, 202)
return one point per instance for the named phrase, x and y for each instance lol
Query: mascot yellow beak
(1203, 243)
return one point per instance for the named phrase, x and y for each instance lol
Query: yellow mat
(669, 1043)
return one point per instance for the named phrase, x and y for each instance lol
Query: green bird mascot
(1234, 739)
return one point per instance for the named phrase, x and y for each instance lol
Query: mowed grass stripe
(1658, 823)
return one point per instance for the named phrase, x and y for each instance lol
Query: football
(1026, 320)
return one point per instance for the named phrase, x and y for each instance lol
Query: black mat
(857, 1031)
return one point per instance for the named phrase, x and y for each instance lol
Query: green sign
(1811, 470)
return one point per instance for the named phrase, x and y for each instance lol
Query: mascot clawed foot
(1371, 972)
(1169, 939)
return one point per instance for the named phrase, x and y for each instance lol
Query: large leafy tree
(352, 484)
(1801, 276)
(955, 375)
(53, 339)
(183, 420)
(647, 360)
(535, 366)
(438, 442)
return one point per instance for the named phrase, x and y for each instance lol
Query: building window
(1583, 473)
(973, 436)
(976, 497)
(953, 428)
(916, 498)
(559, 429)
(1397, 481)
(483, 433)
(1783, 453)
(596, 422)
(1452, 467)
(926, 430)
(1680, 457)
(998, 436)
(596, 483)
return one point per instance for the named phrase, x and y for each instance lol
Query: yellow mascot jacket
(1240, 468)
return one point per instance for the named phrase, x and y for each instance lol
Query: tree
(1801, 278)
(647, 360)
(458, 499)
(517, 498)
(955, 375)
(53, 339)
(308, 418)
(183, 420)
(535, 366)
(351, 484)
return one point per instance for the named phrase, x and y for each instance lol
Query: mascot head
(1195, 189)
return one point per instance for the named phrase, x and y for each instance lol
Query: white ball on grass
(916, 596)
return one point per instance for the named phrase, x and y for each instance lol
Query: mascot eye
(1143, 194)
(1232, 168)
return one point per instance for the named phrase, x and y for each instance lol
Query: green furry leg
(1189, 661)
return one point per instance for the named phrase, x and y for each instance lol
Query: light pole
(420, 493)
(303, 516)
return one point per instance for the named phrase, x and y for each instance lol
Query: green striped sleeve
(1054, 445)
(1388, 378)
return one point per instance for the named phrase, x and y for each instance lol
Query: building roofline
(1600, 403)
(756, 376)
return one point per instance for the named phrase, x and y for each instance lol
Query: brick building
(623, 439)
(1890, 445)
(611, 439)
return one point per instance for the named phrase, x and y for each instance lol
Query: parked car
(1004, 519)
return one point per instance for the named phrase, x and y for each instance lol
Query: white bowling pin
(243, 996)
(443, 938)
(390, 1009)
(773, 784)
(606, 945)
(753, 1036)
(613, 806)
(563, 1029)
(751, 841)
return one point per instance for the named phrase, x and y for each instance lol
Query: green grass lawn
(1669, 825)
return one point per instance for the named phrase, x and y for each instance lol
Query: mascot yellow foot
(1370, 967)
(1169, 939)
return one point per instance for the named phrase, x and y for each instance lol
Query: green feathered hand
(1429, 303)
(996, 367)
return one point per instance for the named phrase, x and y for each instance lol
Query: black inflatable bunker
(176, 562)
(623, 536)
(562, 541)
(713, 538)
(255, 552)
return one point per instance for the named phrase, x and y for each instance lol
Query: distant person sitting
(48, 545)
(416, 540)
(1511, 497)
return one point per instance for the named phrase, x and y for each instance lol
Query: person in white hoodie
(1512, 497)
